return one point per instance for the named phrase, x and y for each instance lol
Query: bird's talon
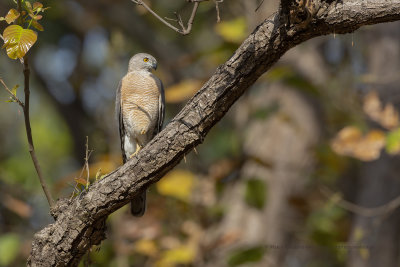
(143, 132)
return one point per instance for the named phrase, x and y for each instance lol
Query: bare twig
(367, 212)
(29, 133)
(13, 97)
(259, 5)
(87, 156)
(217, 9)
(85, 167)
(183, 30)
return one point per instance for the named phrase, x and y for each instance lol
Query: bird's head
(142, 61)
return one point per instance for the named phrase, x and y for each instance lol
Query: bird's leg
(138, 148)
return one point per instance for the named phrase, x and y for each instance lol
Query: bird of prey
(139, 106)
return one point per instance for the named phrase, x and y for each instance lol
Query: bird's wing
(118, 112)
(161, 109)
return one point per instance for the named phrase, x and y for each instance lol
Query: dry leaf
(369, 147)
(346, 140)
(388, 116)
(350, 142)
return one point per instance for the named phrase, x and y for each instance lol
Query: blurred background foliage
(282, 180)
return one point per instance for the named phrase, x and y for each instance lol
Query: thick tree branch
(80, 222)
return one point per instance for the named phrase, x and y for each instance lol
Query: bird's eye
(146, 59)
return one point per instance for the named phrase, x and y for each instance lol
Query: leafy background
(272, 182)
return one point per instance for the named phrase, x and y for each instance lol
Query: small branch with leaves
(18, 39)
(13, 94)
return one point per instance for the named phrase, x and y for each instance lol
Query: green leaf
(9, 247)
(393, 142)
(37, 25)
(11, 16)
(255, 194)
(18, 41)
(242, 256)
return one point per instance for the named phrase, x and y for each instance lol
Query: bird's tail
(138, 205)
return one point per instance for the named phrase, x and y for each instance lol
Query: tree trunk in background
(279, 152)
(379, 181)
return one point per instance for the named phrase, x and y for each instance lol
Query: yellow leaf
(11, 16)
(14, 90)
(182, 91)
(232, 30)
(146, 247)
(176, 256)
(177, 183)
(18, 41)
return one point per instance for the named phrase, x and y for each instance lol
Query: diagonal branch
(80, 223)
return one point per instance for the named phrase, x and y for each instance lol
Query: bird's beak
(154, 66)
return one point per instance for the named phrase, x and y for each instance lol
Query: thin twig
(217, 9)
(85, 167)
(87, 156)
(367, 212)
(13, 97)
(183, 30)
(259, 5)
(29, 133)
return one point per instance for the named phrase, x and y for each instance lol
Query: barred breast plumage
(140, 99)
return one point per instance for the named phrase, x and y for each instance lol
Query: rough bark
(80, 223)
